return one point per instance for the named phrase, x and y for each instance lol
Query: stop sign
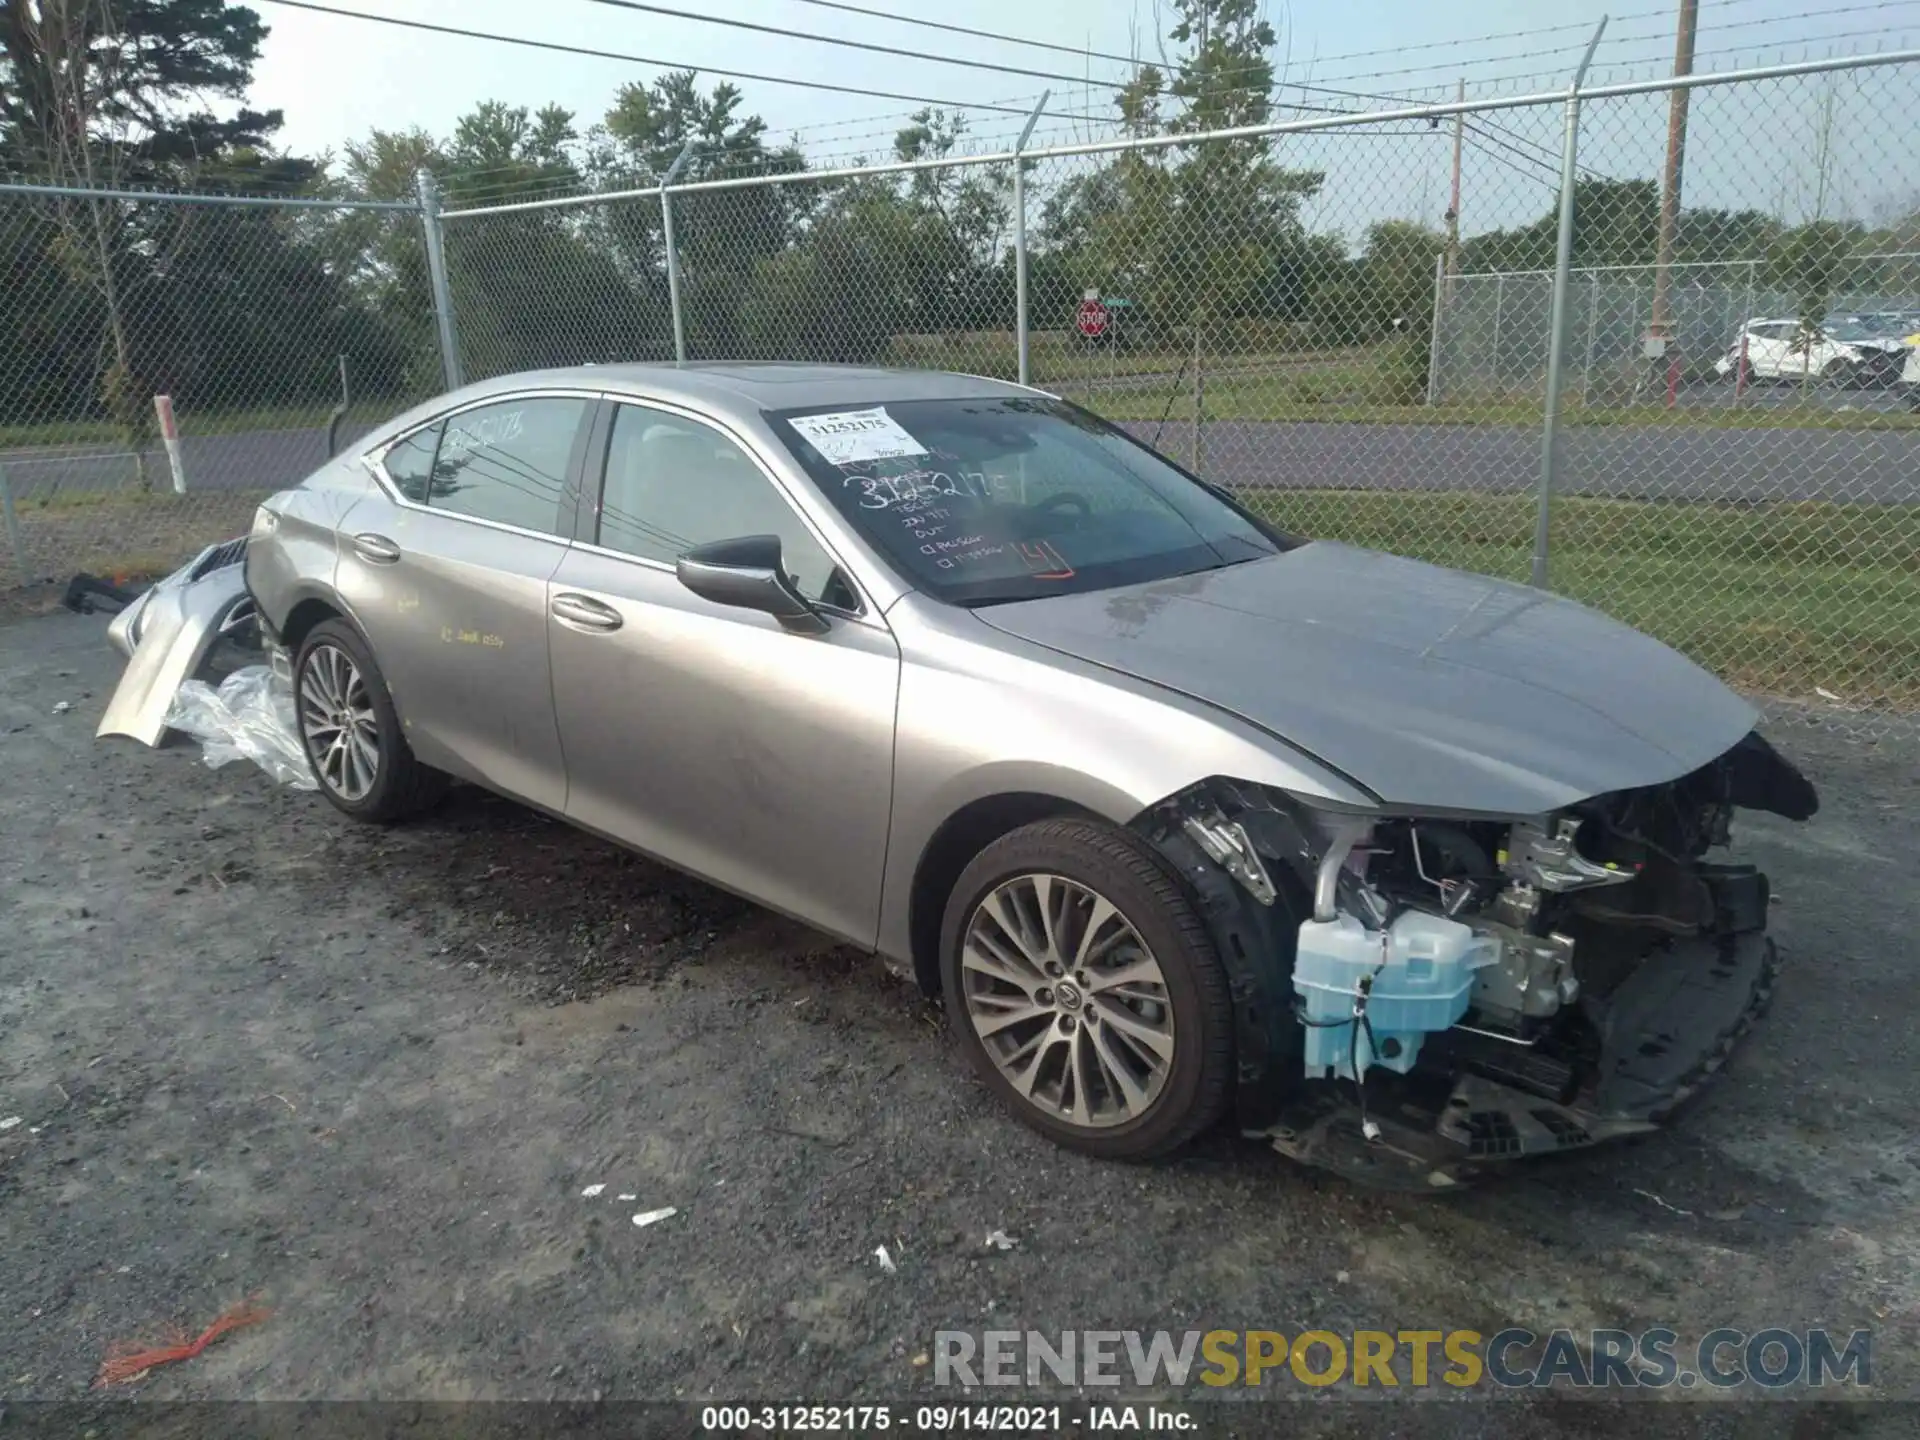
(1091, 318)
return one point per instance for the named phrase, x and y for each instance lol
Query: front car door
(710, 736)
(446, 572)
(1767, 349)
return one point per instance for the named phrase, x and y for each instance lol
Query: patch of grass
(1774, 598)
(1363, 394)
(90, 432)
(135, 537)
(1057, 358)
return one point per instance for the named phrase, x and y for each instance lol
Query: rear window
(1013, 498)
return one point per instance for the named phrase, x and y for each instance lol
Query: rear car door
(446, 572)
(708, 735)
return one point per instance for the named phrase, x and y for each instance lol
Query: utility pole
(1660, 338)
(1453, 204)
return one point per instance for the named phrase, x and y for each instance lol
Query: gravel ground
(364, 1076)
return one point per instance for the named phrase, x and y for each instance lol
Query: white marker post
(170, 437)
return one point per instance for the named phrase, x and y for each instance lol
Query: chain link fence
(1348, 319)
(261, 328)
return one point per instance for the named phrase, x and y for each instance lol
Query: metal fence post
(1199, 396)
(1499, 303)
(13, 527)
(1440, 283)
(1557, 319)
(429, 193)
(673, 253)
(1020, 326)
(1593, 317)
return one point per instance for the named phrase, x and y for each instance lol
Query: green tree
(1810, 262)
(721, 235)
(1615, 222)
(100, 94)
(1204, 233)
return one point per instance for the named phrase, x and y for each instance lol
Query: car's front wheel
(351, 732)
(1086, 992)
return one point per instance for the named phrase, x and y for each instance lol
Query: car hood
(1432, 688)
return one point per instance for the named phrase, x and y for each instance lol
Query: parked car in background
(1404, 868)
(1843, 351)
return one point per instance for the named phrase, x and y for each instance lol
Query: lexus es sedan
(1185, 816)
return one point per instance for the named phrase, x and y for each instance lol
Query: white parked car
(1839, 352)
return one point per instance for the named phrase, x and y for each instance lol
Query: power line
(1552, 166)
(1089, 53)
(785, 34)
(864, 90)
(1494, 155)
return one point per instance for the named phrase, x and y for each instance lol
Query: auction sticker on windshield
(848, 437)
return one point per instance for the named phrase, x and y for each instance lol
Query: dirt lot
(364, 1076)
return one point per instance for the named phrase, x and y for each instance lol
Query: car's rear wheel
(1086, 992)
(351, 732)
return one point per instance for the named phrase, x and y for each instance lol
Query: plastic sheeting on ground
(249, 717)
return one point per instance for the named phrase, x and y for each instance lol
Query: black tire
(401, 785)
(1129, 874)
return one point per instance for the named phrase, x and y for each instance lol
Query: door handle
(375, 549)
(583, 612)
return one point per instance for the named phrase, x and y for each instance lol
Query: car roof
(737, 390)
(734, 390)
(765, 385)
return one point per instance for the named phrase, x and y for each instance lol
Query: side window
(673, 484)
(507, 462)
(409, 462)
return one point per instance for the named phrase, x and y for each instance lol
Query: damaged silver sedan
(1186, 817)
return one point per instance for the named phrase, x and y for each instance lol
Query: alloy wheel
(1067, 1000)
(337, 719)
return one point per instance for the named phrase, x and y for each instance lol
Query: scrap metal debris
(886, 1260)
(127, 1363)
(649, 1217)
(1000, 1240)
(591, 1191)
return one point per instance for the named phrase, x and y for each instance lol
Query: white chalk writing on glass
(884, 492)
(489, 427)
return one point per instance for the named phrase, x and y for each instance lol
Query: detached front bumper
(168, 632)
(1664, 1031)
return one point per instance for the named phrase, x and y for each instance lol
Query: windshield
(1013, 498)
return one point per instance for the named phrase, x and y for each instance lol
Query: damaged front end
(1418, 996)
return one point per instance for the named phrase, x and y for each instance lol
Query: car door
(707, 735)
(1767, 349)
(446, 571)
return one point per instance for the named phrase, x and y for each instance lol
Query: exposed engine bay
(1466, 989)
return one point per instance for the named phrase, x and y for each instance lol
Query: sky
(336, 78)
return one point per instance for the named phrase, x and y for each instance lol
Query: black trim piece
(1255, 944)
(579, 517)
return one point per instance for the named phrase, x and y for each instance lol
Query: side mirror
(747, 572)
